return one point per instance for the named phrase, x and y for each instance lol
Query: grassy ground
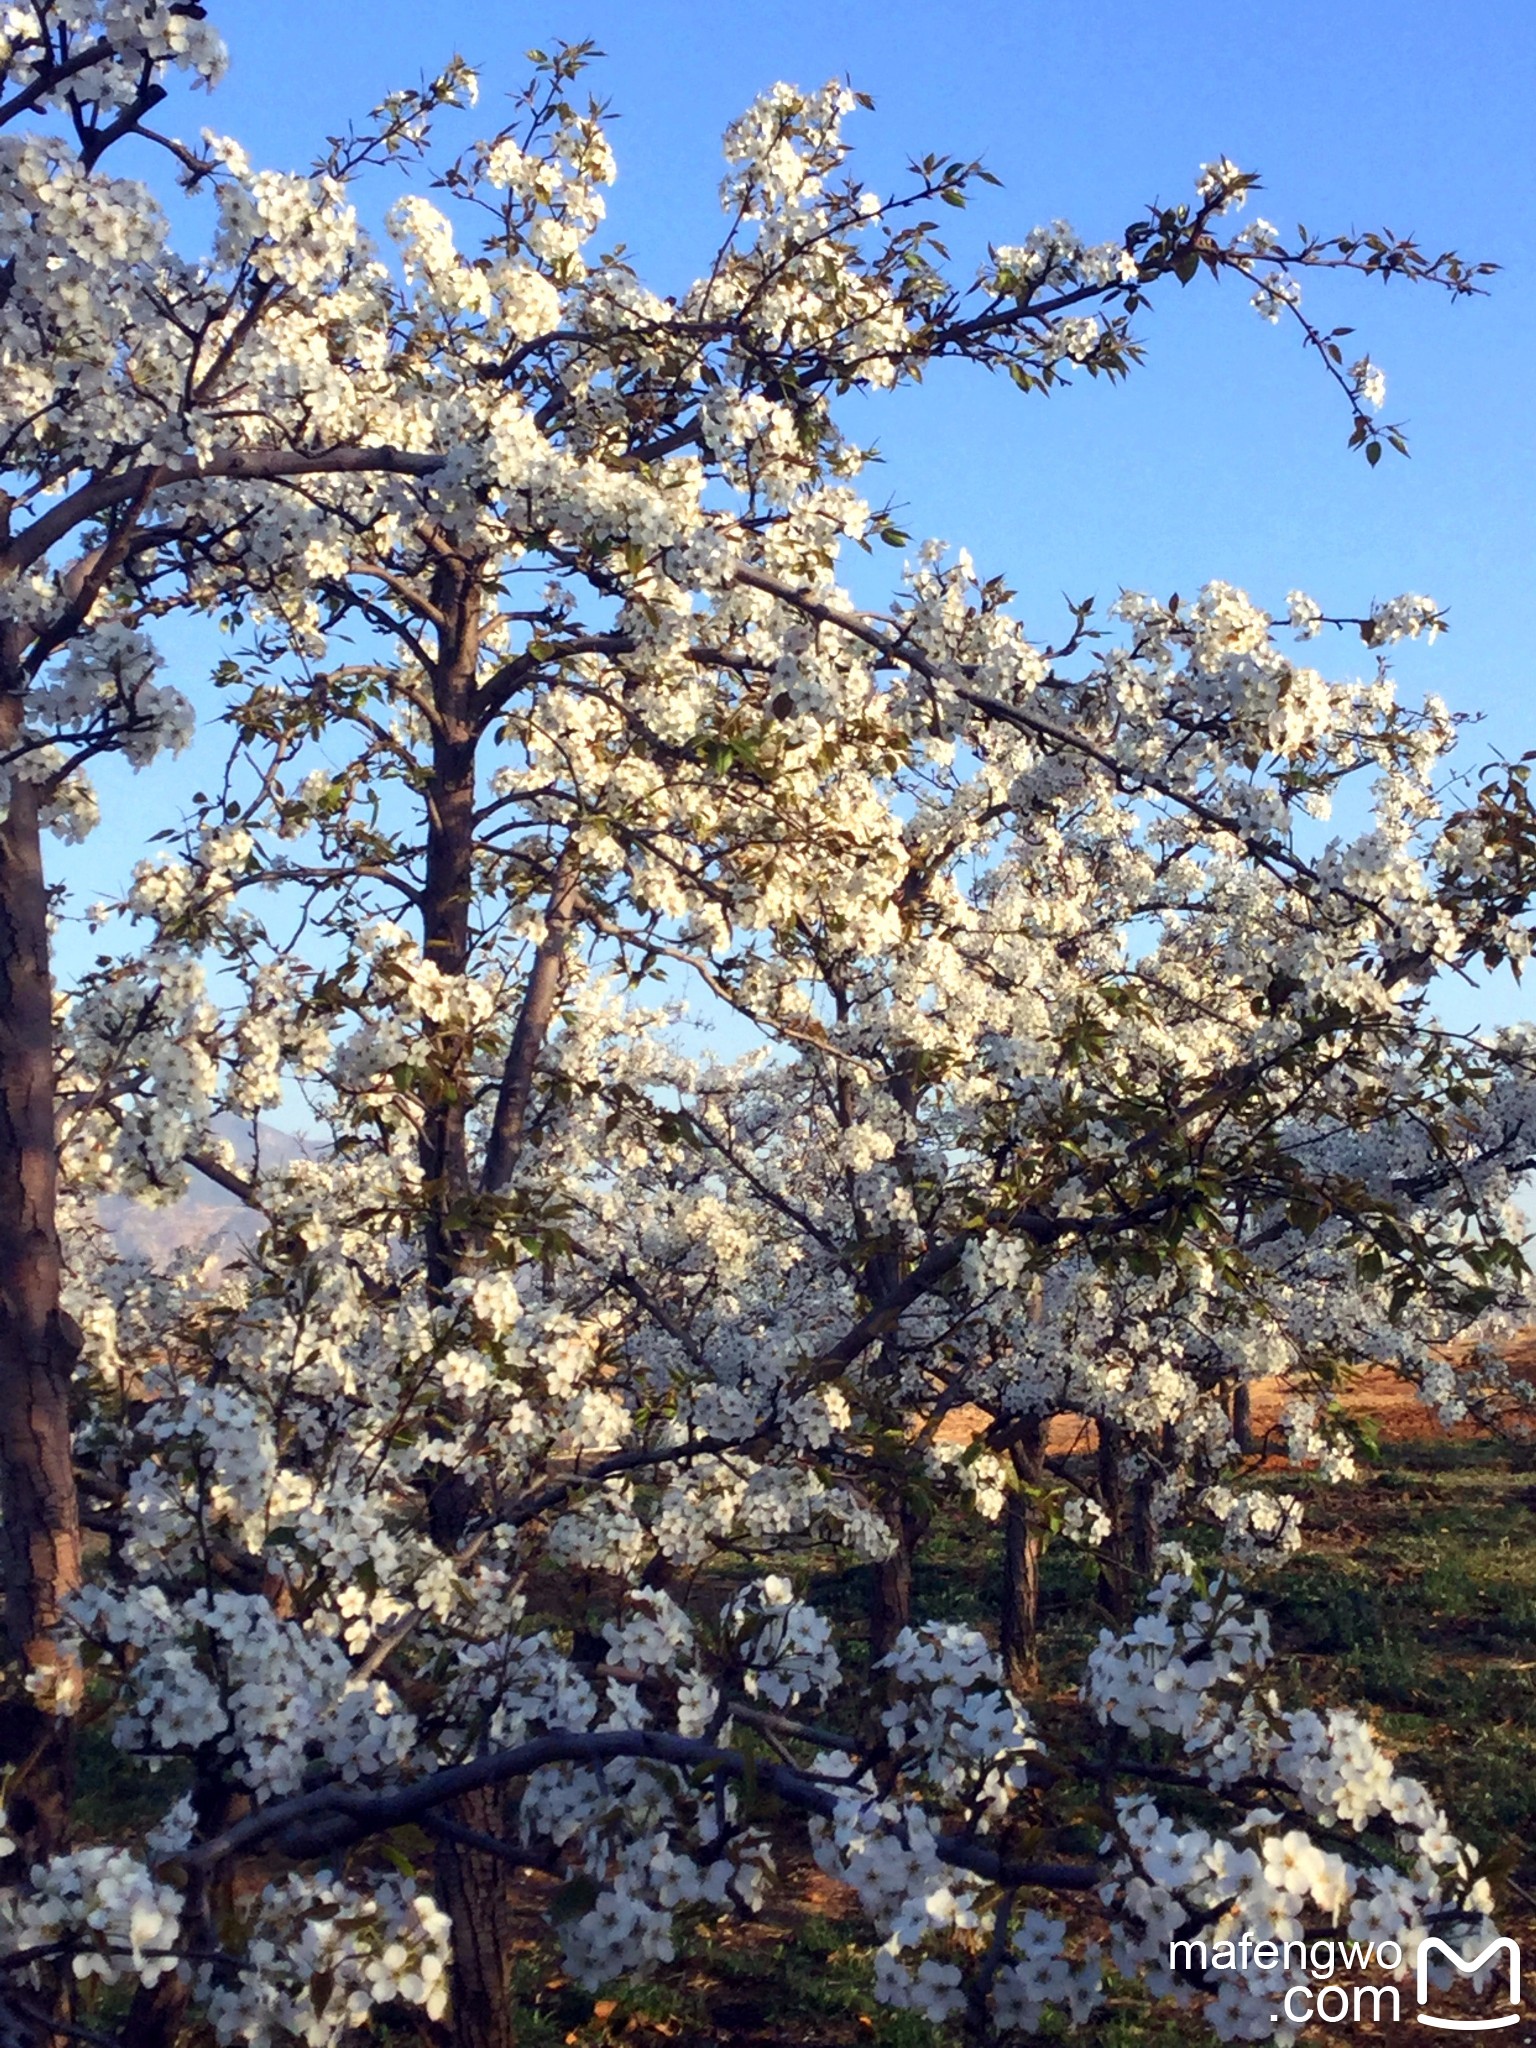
(1415, 1596)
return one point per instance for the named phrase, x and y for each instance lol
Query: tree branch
(337, 1817)
(540, 997)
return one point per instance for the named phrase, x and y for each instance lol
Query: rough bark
(472, 1886)
(1019, 1623)
(1242, 1417)
(39, 1344)
(158, 2015)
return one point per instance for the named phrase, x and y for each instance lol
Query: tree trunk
(1114, 1576)
(158, 2015)
(1242, 1417)
(39, 1345)
(1143, 1527)
(1149, 1529)
(890, 1601)
(473, 1890)
(1019, 1629)
(445, 942)
(473, 1886)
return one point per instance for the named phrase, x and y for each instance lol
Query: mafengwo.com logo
(1313, 1993)
(1432, 1947)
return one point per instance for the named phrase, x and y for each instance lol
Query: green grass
(802, 1981)
(1416, 1597)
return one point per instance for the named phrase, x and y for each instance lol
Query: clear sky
(1224, 456)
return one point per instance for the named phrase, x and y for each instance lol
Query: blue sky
(1224, 457)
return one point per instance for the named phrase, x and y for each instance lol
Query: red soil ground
(1376, 1395)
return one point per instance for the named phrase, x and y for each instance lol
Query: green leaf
(573, 1900)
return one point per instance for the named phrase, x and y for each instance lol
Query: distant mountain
(207, 1216)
